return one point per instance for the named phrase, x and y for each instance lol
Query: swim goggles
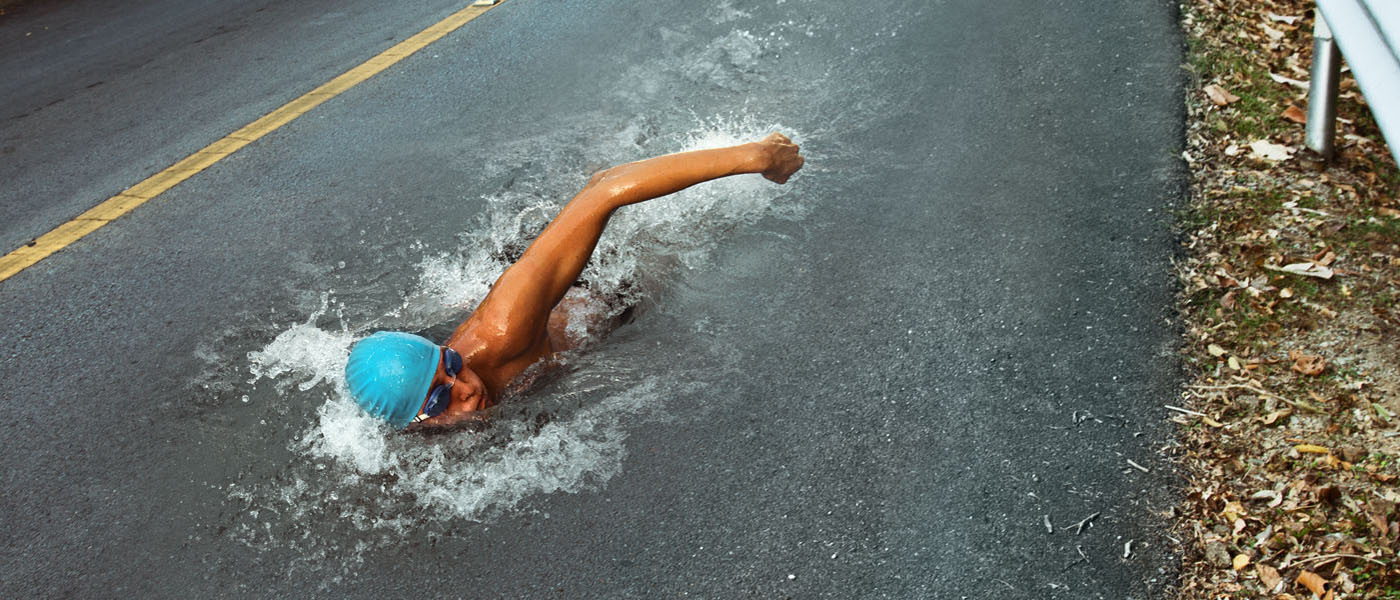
(441, 396)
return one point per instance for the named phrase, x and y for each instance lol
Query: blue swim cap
(389, 374)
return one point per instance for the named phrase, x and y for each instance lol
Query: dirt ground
(1290, 276)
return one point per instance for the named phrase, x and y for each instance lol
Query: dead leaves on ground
(1219, 95)
(1315, 583)
(1295, 114)
(1293, 478)
(1307, 364)
(1265, 150)
(1260, 539)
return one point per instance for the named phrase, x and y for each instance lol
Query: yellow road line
(155, 185)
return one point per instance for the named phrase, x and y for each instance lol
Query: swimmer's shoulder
(494, 356)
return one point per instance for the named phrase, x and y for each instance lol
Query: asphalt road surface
(931, 366)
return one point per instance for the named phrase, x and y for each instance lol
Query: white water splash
(304, 354)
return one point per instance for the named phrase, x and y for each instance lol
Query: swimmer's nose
(471, 395)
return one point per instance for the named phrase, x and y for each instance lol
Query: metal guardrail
(1368, 34)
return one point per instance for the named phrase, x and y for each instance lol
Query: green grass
(1386, 299)
(1251, 322)
(1304, 287)
(1310, 201)
(1255, 115)
(1387, 173)
(1376, 227)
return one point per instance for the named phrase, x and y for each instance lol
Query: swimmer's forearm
(656, 177)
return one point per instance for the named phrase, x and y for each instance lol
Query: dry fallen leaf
(1329, 494)
(1233, 510)
(1234, 363)
(1310, 269)
(1264, 495)
(1215, 350)
(1285, 293)
(1240, 562)
(1295, 114)
(1274, 497)
(1219, 96)
(1376, 511)
(1315, 583)
(1303, 85)
(1327, 312)
(1276, 415)
(1271, 151)
(1307, 364)
(1389, 212)
(1269, 577)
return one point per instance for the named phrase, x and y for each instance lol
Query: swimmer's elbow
(602, 176)
(609, 194)
(614, 187)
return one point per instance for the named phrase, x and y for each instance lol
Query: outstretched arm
(517, 309)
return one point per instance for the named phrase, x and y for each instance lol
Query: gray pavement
(879, 381)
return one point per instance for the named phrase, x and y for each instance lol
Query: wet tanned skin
(510, 329)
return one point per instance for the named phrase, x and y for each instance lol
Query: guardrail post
(1321, 131)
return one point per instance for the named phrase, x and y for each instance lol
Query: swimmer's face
(468, 392)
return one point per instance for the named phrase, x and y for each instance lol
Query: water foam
(304, 355)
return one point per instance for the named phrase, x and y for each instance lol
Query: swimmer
(412, 382)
